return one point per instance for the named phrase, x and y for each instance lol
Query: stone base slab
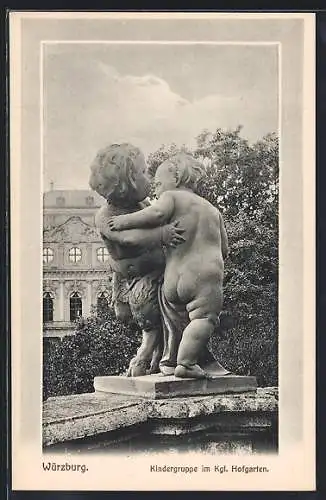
(158, 386)
(69, 418)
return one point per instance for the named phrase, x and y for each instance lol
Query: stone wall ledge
(68, 418)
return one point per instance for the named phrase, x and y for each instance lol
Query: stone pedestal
(161, 387)
(244, 422)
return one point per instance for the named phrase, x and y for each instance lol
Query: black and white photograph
(163, 251)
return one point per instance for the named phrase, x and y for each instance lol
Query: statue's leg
(143, 299)
(194, 338)
(156, 357)
(203, 315)
(142, 361)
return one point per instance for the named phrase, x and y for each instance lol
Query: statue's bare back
(197, 264)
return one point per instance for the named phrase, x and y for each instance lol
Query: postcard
(162, 172)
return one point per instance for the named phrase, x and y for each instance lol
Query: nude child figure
(195, 268)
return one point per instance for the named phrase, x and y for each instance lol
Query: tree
(238, 175)
(101, 345)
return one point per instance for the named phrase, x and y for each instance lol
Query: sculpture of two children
(167, 257)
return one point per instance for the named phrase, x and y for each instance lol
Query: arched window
(102, 302)
(47, 307)
(76, 306)
(102, 254)
(47, 255)
(75, 254)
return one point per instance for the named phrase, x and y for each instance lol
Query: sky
(149, 95)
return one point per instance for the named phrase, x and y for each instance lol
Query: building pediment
(74, 230)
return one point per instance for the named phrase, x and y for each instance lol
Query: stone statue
(136, 256)
(191, 293)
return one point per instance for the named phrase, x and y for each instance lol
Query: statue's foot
(215, 369)
(155, 362)
(189, 372)
(137, 368)
(154, 368)
(167, 370)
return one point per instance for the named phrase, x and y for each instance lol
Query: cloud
(90, 104)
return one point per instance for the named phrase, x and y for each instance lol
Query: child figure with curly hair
(194, 269)
(136, 256)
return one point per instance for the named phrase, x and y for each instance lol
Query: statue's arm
(145, 203)
(147, 238)
(168, 234)
(155, 215)
(224, 238)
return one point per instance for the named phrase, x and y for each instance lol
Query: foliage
(239, 176)
(101, 345)
(250, 291)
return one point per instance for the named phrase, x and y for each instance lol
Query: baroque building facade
(76, 270)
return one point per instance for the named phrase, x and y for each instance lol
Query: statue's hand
(172, 234)
(116, 223)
